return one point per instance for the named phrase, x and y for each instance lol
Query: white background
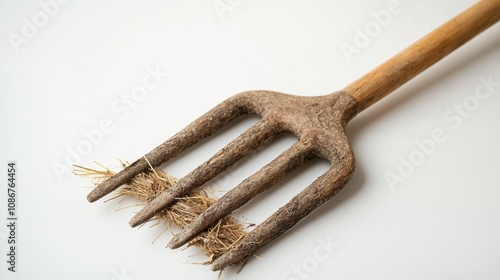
(441, 222)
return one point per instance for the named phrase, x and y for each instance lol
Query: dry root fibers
(214, 241)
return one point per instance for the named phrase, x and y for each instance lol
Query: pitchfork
(318, 122)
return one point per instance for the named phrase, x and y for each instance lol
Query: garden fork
(318, 122)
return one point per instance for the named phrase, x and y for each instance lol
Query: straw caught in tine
(117, 180)
(191, 134)
(242, 145)
(300, 206)
(245, 191)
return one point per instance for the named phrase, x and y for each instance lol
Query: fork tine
(242, 145)
(300, 206)
(246, 190)
(197, 130)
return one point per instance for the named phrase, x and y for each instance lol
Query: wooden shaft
(410, 62)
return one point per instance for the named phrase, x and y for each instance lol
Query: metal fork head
(318, 122)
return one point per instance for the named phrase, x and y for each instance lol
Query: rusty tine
(319, 123)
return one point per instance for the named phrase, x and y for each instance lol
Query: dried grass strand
(146, 186)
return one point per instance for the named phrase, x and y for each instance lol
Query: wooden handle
(410, 62)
